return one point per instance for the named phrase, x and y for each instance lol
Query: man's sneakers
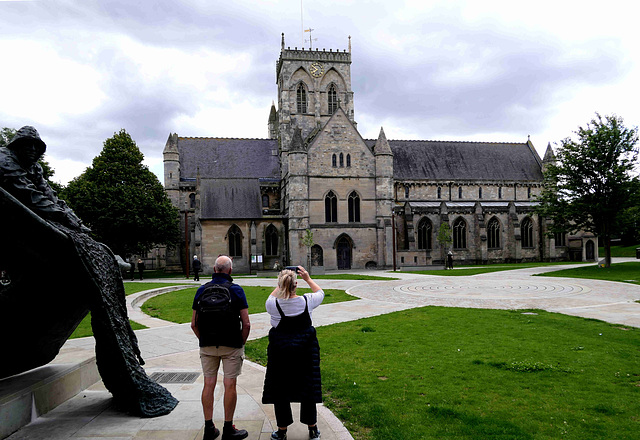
(231, 433)
(314, 434)
(210, 433)
(279, 434)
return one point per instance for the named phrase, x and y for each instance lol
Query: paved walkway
(169, 347)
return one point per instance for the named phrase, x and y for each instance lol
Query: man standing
(197, 267)
(222, 338)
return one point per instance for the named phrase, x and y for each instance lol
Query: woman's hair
(286, 284)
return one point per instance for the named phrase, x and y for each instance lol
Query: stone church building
(369, 203)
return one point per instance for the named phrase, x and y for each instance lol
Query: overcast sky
(80, 70)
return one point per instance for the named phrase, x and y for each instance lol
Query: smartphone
(293, 268)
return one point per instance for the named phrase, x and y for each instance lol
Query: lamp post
(186, 238)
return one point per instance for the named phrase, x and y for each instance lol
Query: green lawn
(434, 373)
(475, 270)
(620, 251)
(338, 276)
(623, 272)
(176, 306)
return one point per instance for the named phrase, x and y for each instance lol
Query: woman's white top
(292, 306)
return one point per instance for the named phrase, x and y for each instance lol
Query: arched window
(271, 240)
(560, 239)
(424, 234)
(331, 208)
(493, 234)
(265, 201)
(235, 241)
(354, 207)
(333, 99)
(301, 99)
(499, 192)
(526, 231)
(528, 192)
(480, 192)
(192, 201)
(460, 234)
(341, 160)
(439, 192)
(334, 161)
(406, 192)
(459, 192)
(348, 160)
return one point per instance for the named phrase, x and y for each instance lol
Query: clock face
(316, 70)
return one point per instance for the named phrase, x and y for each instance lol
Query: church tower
(312, 86)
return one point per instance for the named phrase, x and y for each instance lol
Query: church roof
(446, 160)
(230, 198)
(228, 158)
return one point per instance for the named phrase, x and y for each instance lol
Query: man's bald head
(223, 265)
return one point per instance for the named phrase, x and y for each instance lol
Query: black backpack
(217, 321)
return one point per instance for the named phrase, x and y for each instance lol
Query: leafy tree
(307, 240)
(122, 201)
(591, 181)
(444, 237)
(6, 134)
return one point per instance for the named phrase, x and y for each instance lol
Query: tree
(591, 181)
(307, 240)
(444, 237)
(122, 201)
(6, 134)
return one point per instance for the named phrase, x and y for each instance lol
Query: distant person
(449, 260)
(222, 331)
(132, 269)
(197, 267)
(140, 267)
(293, 365)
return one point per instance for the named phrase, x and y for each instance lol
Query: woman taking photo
(293, 365)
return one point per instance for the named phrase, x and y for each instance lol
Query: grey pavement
(169, 347)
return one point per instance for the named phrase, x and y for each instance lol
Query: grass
(620, 251)
(623, 272)
(84, 330)
(435, 372)
(475, 270)
(338, 276)
(176, 306)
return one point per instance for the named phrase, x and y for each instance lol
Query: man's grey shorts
(232, 358)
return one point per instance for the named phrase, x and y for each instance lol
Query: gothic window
(526, 231)
(235, 241)
(529, 193)
(480, 192)
(265, 201)
(499, 192)
(460, 234)
(348, 160)
(333, 99)
(331, 208)
(424, 234)
(301, 99)
(560, 239)
(354, 208)
(334, 161)
(271, 240)
(493, 234)
(406, 192)
(341, 160)
(459, 192)
(439, 192)
(192, 201)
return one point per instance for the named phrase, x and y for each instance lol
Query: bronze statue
(52, 274)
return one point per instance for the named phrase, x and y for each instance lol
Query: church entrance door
(591, 251)
(344, 253)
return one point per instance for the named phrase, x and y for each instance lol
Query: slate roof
(230, 198)
(446, 160)
(228, 158)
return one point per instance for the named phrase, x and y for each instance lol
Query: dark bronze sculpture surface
(51, 274)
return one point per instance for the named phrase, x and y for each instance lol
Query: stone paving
(169, 347)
